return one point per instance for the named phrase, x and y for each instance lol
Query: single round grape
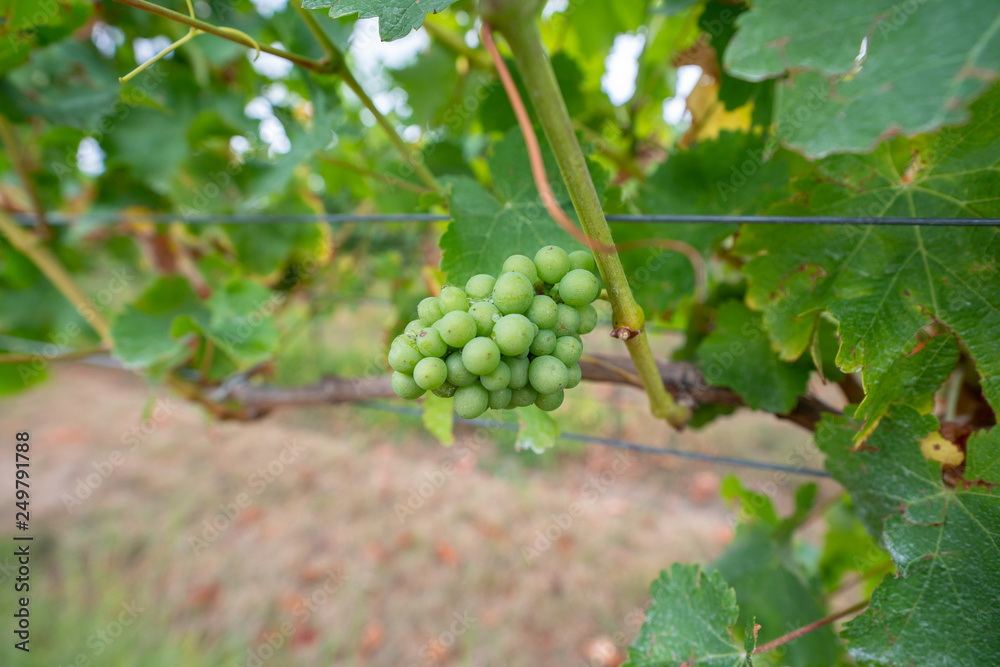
(578, 287)
(498, 379)
(568, 323)
(458, 374)
(588, 318)
(568, 350)
(544, 343)
(485, 314)
(513, 293)
(471, 401)
(552, 263)
(547, 374)
(447, 390)
(575, 375)
(403, 358)
(429, 311)
(513, 334)
(543, 311)
(550, 402)
(430, 373)
(523, 265)
(518, 371)
(405, 386)
(456, 328)
(581, 259)
(414, 326)
(500, 398)
(480, 286)
(430, 343)
(452, 299)
(481, 356)
(522, 397)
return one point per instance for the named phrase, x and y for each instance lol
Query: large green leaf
(488, 228)
(241, 321)
(940, 607)
(925, 62)
(885, 283)
(737, 354)
(689, 620)
(396, 18)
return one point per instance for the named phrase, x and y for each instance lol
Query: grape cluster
(502, 342)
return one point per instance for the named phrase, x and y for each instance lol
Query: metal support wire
(611, 442)
(110, 218)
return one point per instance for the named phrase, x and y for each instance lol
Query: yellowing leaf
(935, 447)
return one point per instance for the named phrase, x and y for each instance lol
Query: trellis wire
(612, 442)
(425, 218)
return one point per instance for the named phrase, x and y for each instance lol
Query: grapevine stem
(68, 356)
(525, 41)
(47, 263)
(385, 178)
(21, 167)
(329, 48)
(806, 629)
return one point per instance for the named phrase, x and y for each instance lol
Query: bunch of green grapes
(503, 342)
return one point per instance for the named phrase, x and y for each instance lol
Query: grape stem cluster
(520, 28)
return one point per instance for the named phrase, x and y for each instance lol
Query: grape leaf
(241, 321)
(885, 283)
(29, 24)
(688, 620)
(438, 418)
(396, 18)
(142, 334)
(912, 379)
(983, 460)
(487, 228)
(936, 610)
(836, 102)
(737, 355)
(538, 430)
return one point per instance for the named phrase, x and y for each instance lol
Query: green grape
(481, 356)
(552, 263)
(513, 334)
(500, 398)
(513, 293)
(568, 323)
(484, 313)
(575, 375)
(430, 343)
(413, 326)
(578, 288)
(456, 328)
(568, 350)
(480, 286)
(550, 402)
(544, 343)
(522, 397)
(458, 374)
(453, 299)
(523, 265)
(403, 358)
(430, 373)
(543, 311)
(581, 259)
(518, 371)
(429, 311)
(405, 386)
(588, 318)
(447, 390)
(547, 374)
(498, 379)
(471, 401)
